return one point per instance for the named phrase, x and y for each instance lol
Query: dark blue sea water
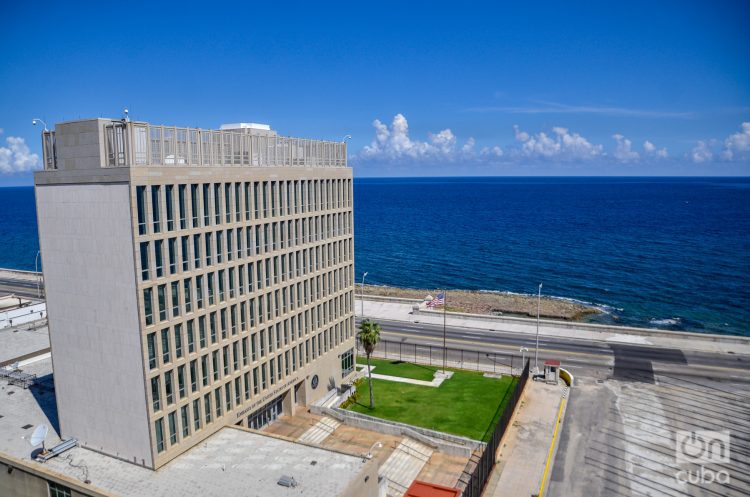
(662, 252)
(670, 253)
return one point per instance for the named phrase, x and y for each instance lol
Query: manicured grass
(468, 404)
(399, 368)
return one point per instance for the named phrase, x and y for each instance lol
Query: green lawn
(398, 368)
(468, 404)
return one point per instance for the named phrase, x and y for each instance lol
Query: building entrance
(266, 414)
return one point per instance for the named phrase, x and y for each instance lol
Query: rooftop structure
(195, 279)
(233, 461)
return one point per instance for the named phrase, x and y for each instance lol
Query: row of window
(170, 207)
(182, 297)
(191, 252)
(220, 364)
(173, 343)
(205, 409)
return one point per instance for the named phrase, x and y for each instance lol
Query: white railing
(141, 144)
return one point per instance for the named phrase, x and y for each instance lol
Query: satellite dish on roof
(37, 438)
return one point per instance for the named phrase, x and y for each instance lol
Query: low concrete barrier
(397, 300)
(602, 328)
(444, 442)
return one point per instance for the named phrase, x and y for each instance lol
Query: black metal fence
(433, 355)
(486, 463)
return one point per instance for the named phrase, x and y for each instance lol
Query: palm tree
(369, 336)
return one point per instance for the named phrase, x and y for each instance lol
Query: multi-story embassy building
(195, 279)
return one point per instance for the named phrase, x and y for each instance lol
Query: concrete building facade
(195, 279)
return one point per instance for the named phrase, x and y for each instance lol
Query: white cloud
(701, 152)
(563, 145)
(651, 150)
(491, 152)
(624, 150)
(738, 144)
(394, 142)
(17, 157)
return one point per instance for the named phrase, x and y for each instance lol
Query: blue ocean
(672, 253)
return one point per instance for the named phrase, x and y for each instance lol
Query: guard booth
(551, 371)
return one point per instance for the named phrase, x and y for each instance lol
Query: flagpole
(445, 350)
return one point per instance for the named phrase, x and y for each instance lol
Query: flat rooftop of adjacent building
(17, 344)
(232, 462)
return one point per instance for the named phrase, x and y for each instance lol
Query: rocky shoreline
(495, 304)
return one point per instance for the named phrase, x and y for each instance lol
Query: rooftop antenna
(36, 121)
(127, 119)
(37, 438)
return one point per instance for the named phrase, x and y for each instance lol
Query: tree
(369, 336)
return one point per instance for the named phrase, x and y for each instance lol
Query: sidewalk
(522, 455)
(398, 311)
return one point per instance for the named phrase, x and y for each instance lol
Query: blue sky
(425, 88)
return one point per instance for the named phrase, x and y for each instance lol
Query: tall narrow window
(168, 388)
(194, 205)
(206, 205)
(228, 202)
(165, 354)
(181, 193)
(148, 306)
(156, 208)
(187, 291)
(178, 340)
(162, 300)
(172, 250)
(169, 193)
(140, 201)
(159, 430)
(175, 290)
(172, 428)
(185, 421)
(185, 248)
(155, 393)
(217, 203)
(151, 345)
(144, 261)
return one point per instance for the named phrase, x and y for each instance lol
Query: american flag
(439, 300)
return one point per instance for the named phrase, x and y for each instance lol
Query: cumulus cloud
(16, 156)
(491, 151)
(701, 152)
(651, 150)
(393, 142)
(737, 145)
(624, 149)
(561, 145)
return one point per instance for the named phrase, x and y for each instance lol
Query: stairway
(319, 431)
(404, 464)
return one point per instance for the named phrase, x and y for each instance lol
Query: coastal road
(592, 357)
(20, 287)
(625, 410)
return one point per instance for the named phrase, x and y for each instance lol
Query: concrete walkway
(400, 311)
(523, 453)
(438, 380)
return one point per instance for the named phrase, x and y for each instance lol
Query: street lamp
(362, 298)
(346, 137)
(38, 277)
(523, 351)
(538, 308)
(36, 121)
